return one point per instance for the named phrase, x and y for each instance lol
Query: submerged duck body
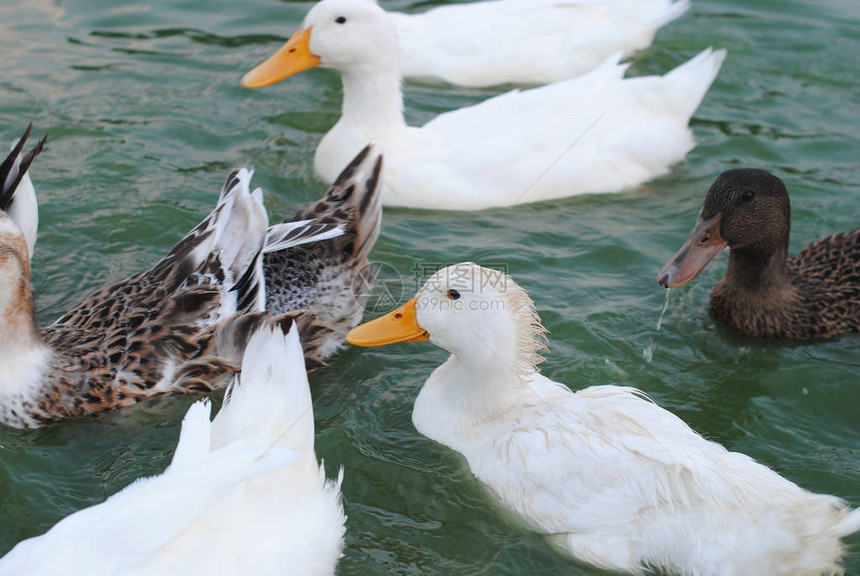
(179, 326)
(765, 293)
(524, 41)
(593, 134)
(609, 476)
(244, 494)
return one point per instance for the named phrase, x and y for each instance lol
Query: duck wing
(596, 133)
(826, 276)
(526, 42)
(320, 276)
(623, 483)
(148, 333)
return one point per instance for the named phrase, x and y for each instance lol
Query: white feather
(244, 494)
(291, 234)
(524, 41)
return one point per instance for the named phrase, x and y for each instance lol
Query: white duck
(595, 133)
(17, 195)
(613, 478)
(524, 41)
(243, 495)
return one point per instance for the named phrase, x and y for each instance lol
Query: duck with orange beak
(610, 477)
(524, 41)
(596, 133)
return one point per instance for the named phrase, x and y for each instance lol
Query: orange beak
(399, 325)
(704, 243)
(293, 57)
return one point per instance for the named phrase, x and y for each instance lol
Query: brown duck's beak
(703, 244)
(399, 325)
(293, 57)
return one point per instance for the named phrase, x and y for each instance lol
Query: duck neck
(753, 271)
(373, 99)
(464, 394)
(24, 357)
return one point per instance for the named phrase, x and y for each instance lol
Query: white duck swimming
(17, 195)
(244, 494)
(524, 41)
(179, 326)
(614, 479)
(596, 133)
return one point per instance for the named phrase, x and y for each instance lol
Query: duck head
(342, 34)
(479, 315)
(745, 209)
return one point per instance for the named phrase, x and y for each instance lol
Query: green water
(146, 116)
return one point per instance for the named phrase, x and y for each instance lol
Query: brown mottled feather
(157, 331)
(821, 301)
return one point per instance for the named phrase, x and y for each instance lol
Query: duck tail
(17, 195)
(14, 168)
(686, 85)
(194, 436)
(270, 402)
(674, 11)
(232, 336)
(848, 525)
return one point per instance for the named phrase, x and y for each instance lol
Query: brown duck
(765, 293)
(180, 326)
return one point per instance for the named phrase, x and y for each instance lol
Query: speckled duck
(180, 326)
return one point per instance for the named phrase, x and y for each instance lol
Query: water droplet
(665, 307)
(648, 352)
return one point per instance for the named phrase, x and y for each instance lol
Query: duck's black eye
(340, 19)
(453, 294)
(747, 196)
